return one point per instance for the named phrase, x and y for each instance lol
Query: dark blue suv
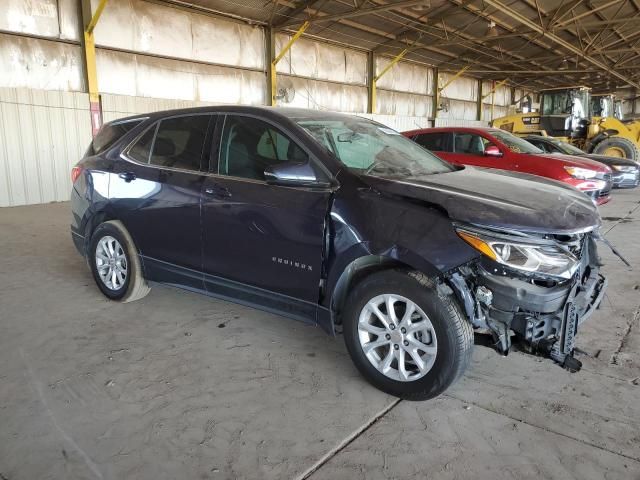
(340, 222)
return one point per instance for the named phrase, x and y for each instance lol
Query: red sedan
(494, 148)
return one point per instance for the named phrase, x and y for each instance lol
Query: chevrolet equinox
(343, 223)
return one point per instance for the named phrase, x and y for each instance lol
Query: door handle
(217, 191)
(127, 176)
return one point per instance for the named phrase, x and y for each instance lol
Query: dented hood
(499, 199)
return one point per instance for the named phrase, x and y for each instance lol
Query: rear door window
(541, 145)
(180, 141)
(436, 141)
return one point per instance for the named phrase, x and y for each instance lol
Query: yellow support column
(373, 94)
(492, 93)
(274, 62)
(440, 89)
(90, 62)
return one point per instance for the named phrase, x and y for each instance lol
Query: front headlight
(624, 168)
(545, 259)
(581, 173)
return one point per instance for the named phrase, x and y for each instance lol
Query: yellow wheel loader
(566, 113)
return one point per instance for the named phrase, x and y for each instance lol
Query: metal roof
(533, 43)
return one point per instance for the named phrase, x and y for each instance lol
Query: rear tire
(115, 264)
(433, 343)
(618, 147)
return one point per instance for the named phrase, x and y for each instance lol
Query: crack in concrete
(36, 386)
(545, 429)
(634, 319)
(623, 219)
(347, 441)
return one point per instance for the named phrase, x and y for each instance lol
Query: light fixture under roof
(492, 31)
(421, 7)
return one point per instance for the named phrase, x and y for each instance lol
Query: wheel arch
(362, 266)
(96, 218)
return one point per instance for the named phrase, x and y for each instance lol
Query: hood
(573, 161)
(611, 160)
(499, 199)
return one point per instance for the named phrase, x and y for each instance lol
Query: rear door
(437, 142)
(156, 190)
(262, 243)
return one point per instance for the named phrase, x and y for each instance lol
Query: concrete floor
(181, 386)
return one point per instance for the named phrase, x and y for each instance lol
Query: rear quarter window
(109, 134)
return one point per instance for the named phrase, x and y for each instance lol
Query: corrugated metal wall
(119, 106)
(42, 135)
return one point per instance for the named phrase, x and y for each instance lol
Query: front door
(263, 244)
(469, 149)
(156, 194)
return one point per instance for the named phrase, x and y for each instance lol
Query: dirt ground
(182, 386)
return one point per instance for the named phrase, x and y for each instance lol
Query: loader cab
(565, 112)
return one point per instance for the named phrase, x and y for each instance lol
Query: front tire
(115, 264)
(618, 147)
(405, 337)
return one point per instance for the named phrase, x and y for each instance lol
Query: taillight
(75, 173)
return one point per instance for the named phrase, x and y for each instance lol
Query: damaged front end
(536, 288)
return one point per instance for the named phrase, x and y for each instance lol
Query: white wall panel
(68, 12)
(36, 17)
(406, 104)
(498, 112)
(139, 26)
(42, 135)
(45, 18)
(405, 77)
(462, 88)
(460, 110)
(310, 59)
(326, 95)
(502, 95)
(40, 64)
(227, 43)
(143, 76)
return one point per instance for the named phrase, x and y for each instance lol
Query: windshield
(566, 102)
(513, 143)
(373, 149)
(566, 147)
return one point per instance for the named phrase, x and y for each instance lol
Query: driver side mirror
(293, 174)
(492, 151)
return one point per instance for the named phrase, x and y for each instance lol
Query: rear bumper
(78, 242)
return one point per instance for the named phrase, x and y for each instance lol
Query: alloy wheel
(111, 263)
(397, 337)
